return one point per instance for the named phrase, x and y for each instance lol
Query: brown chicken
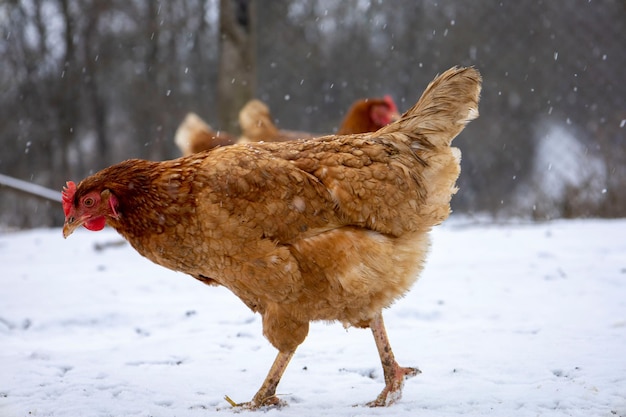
(334, 228)
(369, 115)
(195, 135)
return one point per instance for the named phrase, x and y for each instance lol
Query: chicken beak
(71, 224)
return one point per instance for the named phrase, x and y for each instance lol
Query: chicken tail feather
(449, 102)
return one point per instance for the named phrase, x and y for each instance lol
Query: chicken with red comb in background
(369, 115)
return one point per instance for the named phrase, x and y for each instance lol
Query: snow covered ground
(507, 320)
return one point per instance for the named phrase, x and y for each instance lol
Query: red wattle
(96, 224)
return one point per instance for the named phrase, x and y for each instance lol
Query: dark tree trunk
(68, 95)
(237, 62)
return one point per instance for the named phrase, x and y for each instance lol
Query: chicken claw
(266, 403)
(394, 373)
(230, 401)
(266, 396)
(393, 390)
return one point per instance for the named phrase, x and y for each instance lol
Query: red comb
(390, 103)
(68, 196)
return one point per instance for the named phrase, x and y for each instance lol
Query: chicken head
(90, 210)
(385, 113)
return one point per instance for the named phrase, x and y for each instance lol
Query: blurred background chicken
(331, 229)
(255, 121)
(195, 135)
(365, 115)
(368, 115)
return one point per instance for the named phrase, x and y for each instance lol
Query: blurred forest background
(88, 83)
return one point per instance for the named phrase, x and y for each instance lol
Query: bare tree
(237, 61)
(67, 94)
(97, 105)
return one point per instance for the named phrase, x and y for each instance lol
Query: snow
(506, 320)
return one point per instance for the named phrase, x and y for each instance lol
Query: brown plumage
(195, 135)
(334, 228)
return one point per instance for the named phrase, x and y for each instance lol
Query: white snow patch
(513, 320)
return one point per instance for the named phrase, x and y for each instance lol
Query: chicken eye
(88, 202)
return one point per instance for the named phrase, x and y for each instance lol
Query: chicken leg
(266, 395)
(394, 373)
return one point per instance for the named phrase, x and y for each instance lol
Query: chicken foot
(394, 373)
(266, 395)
